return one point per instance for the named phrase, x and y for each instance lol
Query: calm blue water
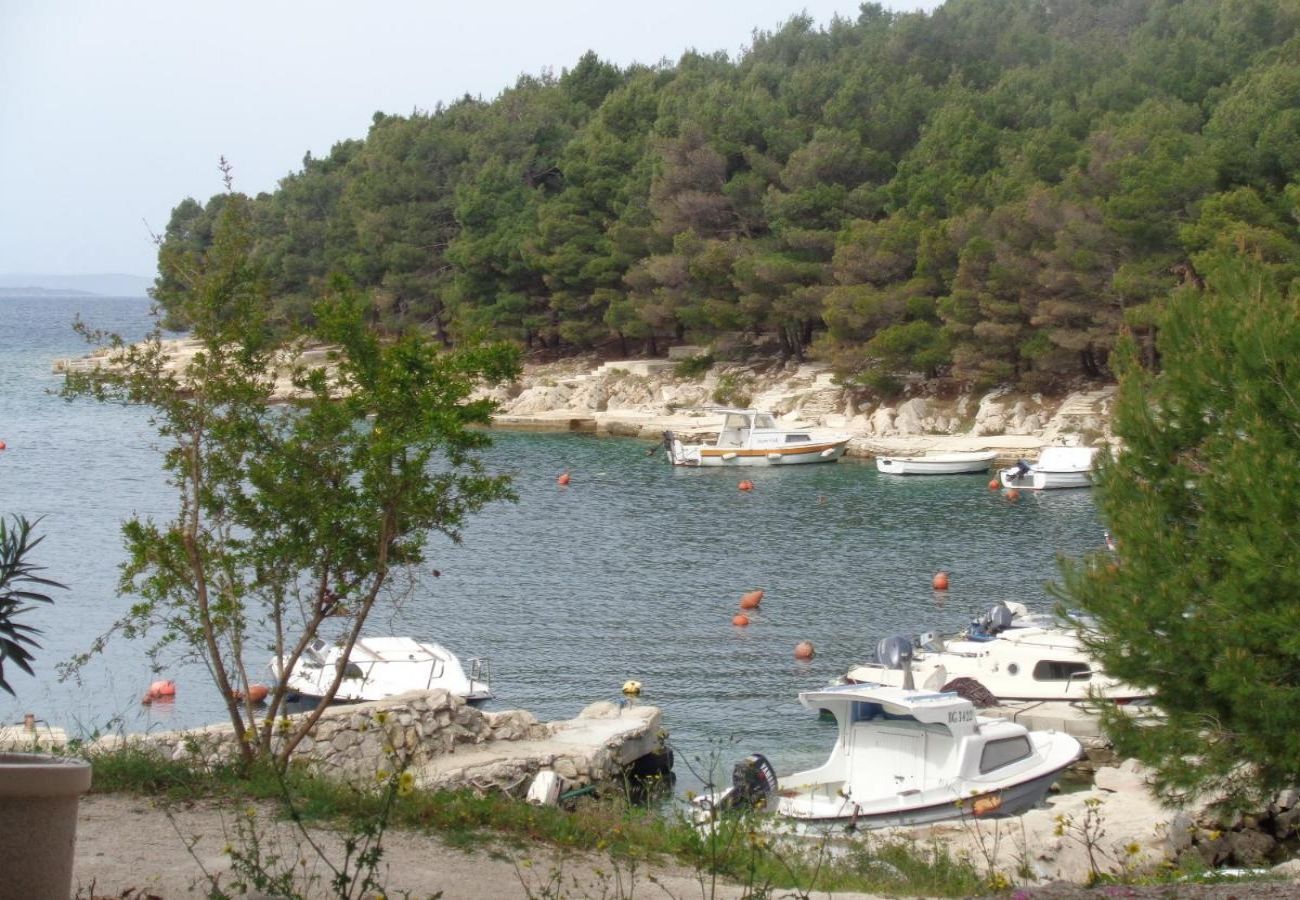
(632, 571)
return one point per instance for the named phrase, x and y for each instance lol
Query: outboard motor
(987, 626)
(999, 618)
(892, 652)
(669, 439)
(753, 780)
(896, 653)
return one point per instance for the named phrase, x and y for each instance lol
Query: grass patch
(737, 850)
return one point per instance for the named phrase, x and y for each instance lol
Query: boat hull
(938, 464)
(709, 457)
(1008, 800)
(1039, 480)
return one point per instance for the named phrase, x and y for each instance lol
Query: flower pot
(38, 823)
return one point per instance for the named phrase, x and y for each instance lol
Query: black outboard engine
(753, 780)
(892, 652)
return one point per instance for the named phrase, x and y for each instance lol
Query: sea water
(631, 571)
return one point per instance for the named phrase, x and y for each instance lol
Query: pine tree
(1203, 499)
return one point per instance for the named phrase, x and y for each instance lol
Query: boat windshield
(764, 420)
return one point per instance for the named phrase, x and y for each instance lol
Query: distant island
(44, 292)
(105, 285)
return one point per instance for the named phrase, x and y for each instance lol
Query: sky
(113, 111)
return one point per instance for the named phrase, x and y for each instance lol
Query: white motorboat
(1057, 467)
(937, 463)
(748, 437)
(380, 667)
(904, 757)
(1013, 655)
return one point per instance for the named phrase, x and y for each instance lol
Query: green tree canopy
(1203, 500)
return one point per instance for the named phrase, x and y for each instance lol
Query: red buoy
(1013, 495)
(563, 479)
(2, 446)
(746, 485)
(940, 581)
(752, 599)
(740, 619)
(804, 650)
(994, 485)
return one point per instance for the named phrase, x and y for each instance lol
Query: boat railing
(480, 669)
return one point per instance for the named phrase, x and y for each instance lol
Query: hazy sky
(112, 111)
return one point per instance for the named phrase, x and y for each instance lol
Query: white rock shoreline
(644, 398)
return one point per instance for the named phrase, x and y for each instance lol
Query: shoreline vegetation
(642, 398)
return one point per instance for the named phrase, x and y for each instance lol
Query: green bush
(694, 367)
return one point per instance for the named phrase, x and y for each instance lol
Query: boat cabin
(744, 428)
(897, 742)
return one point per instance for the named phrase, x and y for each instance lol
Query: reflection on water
(631, 571)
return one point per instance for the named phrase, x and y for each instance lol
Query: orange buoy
(804, 650)
(256, 693)
(740, 619)
(2, 446)
(994, 485)
(563, 479)
(752, 599)
(746, 485)
(1013, 495)
(159, 690)
(940, 581)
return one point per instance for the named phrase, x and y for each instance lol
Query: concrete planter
(38, 824)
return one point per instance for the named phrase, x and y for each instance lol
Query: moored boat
(380, 667)
(748, 437)
(904, 757)
(937, 463)
(1057, 467)
(1012, 655)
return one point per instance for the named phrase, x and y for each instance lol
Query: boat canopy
(747, 418)
(860, 702)
(1066, 459)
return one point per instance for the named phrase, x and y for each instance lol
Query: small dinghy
(1057, 467)
(937, 463)
(903, 757)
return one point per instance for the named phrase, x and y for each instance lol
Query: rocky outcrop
(642, 398)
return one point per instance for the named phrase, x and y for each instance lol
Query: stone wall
(437, 736)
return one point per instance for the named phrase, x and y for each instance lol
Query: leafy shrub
(694, 367)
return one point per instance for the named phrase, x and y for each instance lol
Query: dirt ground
(129, 848)
(125, 843)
